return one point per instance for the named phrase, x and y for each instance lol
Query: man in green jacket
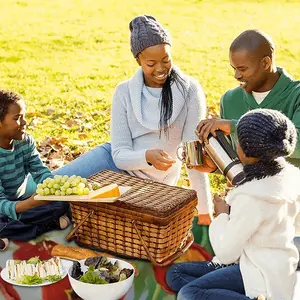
(262, 85)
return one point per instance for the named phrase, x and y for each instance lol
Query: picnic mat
(148, 284)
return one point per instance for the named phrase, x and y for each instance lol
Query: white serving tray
(83, 198)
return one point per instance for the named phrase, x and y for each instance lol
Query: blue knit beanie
(146, 31)
(266, 134)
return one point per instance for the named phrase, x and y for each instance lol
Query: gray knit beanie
(146, 31)
(266, 134)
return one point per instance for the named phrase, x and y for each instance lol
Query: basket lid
(146, 196)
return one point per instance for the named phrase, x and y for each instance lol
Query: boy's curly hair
(6, 99)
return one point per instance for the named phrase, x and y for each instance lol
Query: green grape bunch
(63, 186)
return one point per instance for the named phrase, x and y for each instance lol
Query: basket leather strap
(70, 236)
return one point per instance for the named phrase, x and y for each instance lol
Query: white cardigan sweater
(135, 129)
(259, 233)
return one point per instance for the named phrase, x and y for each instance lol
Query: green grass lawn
(66, 56)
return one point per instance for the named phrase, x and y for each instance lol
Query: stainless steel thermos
(221, 152)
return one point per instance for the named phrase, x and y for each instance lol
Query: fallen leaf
(56, 158)
(59, 140)
(79, 115)
(99, 113)
(33, 114)
(65, 126)
(50, 111)
(82, 136)
(52, 140)
(55, 163)
(70, 123)
(57, 147)
(55, 153)
(88, 125)
(79, 143)
(33, 123)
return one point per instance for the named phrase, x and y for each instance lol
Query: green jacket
(284, 96)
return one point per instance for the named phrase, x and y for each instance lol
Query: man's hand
(159, 159)
(220, 206)
(29, 203)
(205, 127)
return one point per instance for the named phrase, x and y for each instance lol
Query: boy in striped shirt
(22, 217)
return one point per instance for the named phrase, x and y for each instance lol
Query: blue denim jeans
(94, 161)
(33, 222)
(207, 281)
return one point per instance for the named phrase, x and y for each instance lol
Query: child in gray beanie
(265, 137)
(255, 256)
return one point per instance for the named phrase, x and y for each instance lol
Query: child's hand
(29, 203)
(36, 203)
(39, 202)
(220, 206)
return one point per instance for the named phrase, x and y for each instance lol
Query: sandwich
(34, 270)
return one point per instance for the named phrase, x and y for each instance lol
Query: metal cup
(193, 153)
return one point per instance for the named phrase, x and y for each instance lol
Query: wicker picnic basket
(151, 221)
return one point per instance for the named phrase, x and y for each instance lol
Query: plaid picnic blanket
(148, 284)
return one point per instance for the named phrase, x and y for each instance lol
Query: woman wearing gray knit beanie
(255, 256)
(152, 114)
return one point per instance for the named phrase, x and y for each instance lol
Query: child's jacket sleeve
(229, 234)
(297, 223)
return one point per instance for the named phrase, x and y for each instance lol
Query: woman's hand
(220, 206)
(205, 127)
(159, 159)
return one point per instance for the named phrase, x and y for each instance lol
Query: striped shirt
(15, 165)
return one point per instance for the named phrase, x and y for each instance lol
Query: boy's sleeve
(7, 207)
(35, 165)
